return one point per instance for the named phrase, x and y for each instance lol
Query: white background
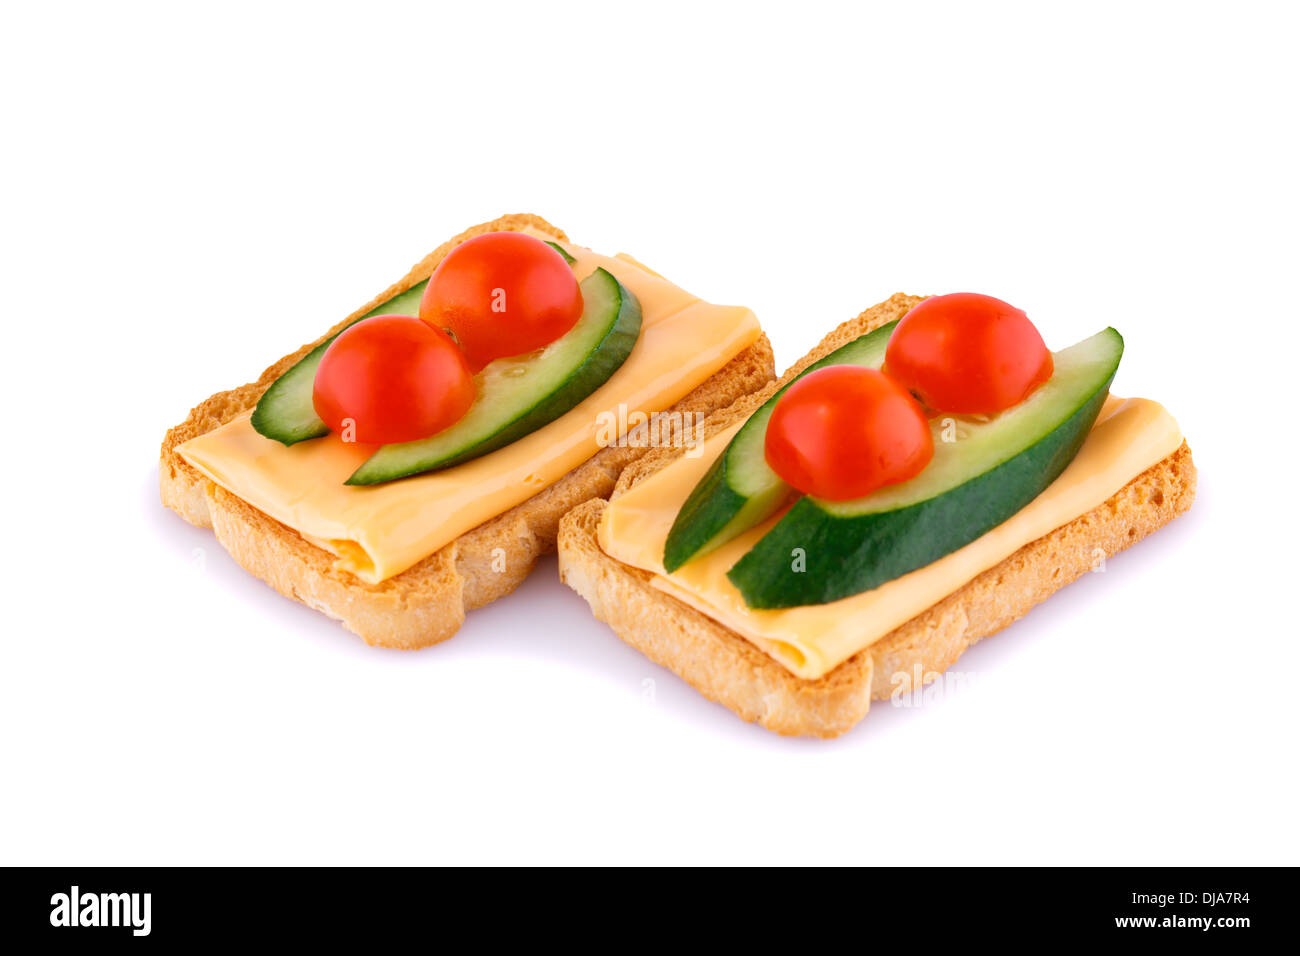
(188, 195)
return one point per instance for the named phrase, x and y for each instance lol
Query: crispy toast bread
(725, 667)
(426, 603)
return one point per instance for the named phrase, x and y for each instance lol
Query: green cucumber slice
(822, 551)
(519, 395)
(560, 249)
(741, 490)
(285, 411)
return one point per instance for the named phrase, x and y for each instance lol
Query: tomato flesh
(502, 294)
(968, 354)
(843, 431)
(392, 378)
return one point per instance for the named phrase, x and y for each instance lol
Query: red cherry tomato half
(395, 378)
(968, 354)
(500, 294)
(843, 431)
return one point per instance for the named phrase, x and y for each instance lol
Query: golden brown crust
(426, 603)
(726, 668)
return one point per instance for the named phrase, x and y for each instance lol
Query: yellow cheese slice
(1129, 437)
(382, 530)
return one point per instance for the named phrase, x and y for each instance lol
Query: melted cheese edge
(1128, 438)
(378, 531)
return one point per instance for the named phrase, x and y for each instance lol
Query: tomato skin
(968, 354)
(396, 377)
(843, 431)
(502, 294)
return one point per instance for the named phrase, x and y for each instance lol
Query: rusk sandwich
(796, 611)
(313, 480)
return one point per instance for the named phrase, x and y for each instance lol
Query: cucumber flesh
(741, 490)
(822, 551)
(519, 395)
(285, 411)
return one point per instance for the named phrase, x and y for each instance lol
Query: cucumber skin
(603, 361)
(702, 523)
(558, 248)
(847, 556)
(267, 422)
